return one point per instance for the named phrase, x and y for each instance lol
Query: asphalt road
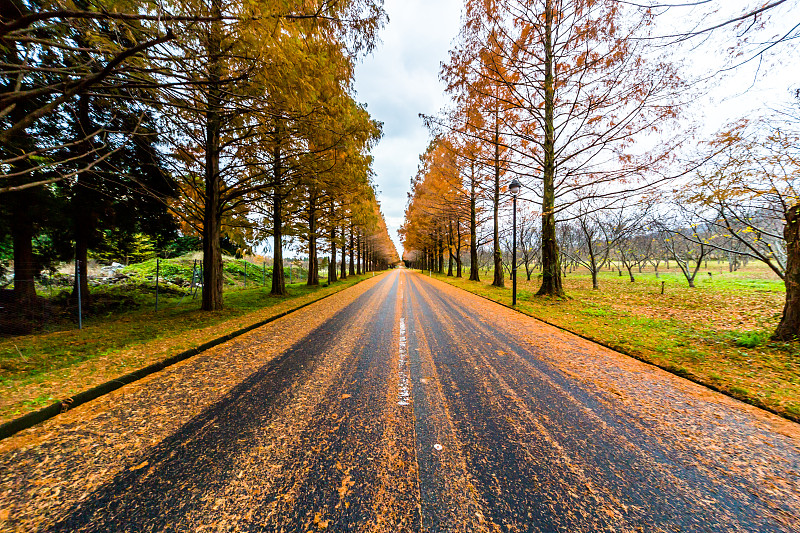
(413, 406)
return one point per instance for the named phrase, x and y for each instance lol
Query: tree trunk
(551, 273)
(595, 284)
(630, 273)
(22, 238)
(22, 202)
(474, 267)
(332, 263)
(497, 255)
(358, 253)
(440, 263)
(212, 219)
(344, 254)
(450, 248)
(352, 252)
(458, 249)
(278, 278)
(313, 264)
(789, 326)
(367, 266)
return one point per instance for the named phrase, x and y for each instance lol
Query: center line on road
(402, 367)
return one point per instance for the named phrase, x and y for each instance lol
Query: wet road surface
(408, 405)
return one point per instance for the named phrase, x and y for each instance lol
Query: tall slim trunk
(278, 277)
(789, 327)
(450, 248)
(358, 253)
(498, 257)
(344, 254)
(440, 264)
(22, 239)
(22, 202)
(352, 252)
(313, 264)
(212, 217)
(551, 273)
(458, 249)
(474, 271)
(332, 263)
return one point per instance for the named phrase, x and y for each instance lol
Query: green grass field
(717, 334)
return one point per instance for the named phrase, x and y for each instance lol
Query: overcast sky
(399, 80)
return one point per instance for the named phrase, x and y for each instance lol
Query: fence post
(200, 277)
(158, 261)
(245, 273)
(78, 284)
(194, 270)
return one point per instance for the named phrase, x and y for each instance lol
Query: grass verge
(37, 370)
(716, 334)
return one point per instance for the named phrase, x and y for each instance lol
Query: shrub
(751, 339)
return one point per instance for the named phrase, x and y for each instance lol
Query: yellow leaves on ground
(319, 522)
(140, 466)
(344, 488)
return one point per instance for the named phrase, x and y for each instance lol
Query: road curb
(62, 406)
(689, 377)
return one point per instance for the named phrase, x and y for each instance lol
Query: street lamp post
(514, 187)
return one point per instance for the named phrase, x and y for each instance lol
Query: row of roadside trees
(741, 205)
(575, 99)
(233, 121)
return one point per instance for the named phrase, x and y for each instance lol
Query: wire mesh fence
(45, 300)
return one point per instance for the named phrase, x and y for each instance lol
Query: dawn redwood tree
(476, 76)
(231, 83)
(582, 85)
(437, 206)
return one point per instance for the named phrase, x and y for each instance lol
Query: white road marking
(402, 368)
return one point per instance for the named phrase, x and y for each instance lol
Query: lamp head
(514, 187)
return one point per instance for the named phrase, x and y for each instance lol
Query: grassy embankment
(38, 369)
(717, 334)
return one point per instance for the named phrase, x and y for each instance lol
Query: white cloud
(399, 81)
